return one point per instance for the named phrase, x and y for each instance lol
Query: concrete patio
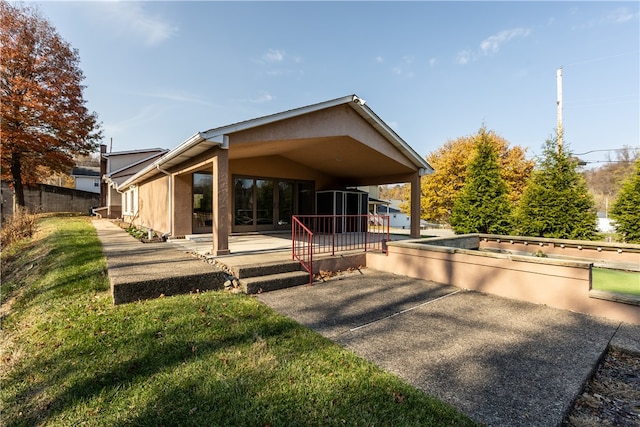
(502, 362)
(271, 245)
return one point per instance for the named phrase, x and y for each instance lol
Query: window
(130, 202)
(96, 183)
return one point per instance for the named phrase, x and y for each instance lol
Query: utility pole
(559, 103)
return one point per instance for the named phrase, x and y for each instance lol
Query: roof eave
(185, 150)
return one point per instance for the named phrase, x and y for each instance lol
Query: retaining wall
(611, 252)
(563, 284)
(50, 198)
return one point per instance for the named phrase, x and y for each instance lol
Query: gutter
(172, 154)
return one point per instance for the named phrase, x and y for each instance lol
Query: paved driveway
(502, 362)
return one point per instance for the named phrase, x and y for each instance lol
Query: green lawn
(622, 282)
(69, 357)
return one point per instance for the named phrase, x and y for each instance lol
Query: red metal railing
(328, 234)
(302, 246)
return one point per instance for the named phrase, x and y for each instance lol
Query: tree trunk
(16, 175)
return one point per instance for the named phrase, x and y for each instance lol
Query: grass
(70, 357)
(617, 281)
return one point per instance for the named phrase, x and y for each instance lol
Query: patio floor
(270, 245)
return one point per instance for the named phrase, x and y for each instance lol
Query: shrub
(18, 226)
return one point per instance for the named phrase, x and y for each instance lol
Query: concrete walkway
(502, 362)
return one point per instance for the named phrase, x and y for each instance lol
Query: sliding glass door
(262, 204)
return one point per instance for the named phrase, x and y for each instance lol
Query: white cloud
(620, 16)
(463, 57)
(148, 114)
(408, 59)
(433, 62)
(276, 63)
(491, 45)
(379, 59)
(262, 98)
(273, 55)
(131, 19)
(177, 96)
(404, 68)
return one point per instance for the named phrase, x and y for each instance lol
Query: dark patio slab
(502, 362)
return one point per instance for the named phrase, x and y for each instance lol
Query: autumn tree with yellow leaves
(451, 162)
(44, 121)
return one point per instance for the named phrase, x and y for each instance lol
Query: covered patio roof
(338, 155)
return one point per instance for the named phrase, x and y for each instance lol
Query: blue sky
(158, 72)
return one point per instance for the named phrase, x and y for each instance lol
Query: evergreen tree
(626, 209)
(482, 206)
(556, 202)
(451, 161)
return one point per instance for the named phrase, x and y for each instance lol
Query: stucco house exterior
(117, 167)
(252, 176)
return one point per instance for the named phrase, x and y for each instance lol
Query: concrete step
(265, 269)
(272, 282)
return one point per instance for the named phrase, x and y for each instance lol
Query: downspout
(115, 187)
(170, 199)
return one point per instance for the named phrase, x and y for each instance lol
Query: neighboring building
(397, 218)
(86, 178)
(118, 166)
(254, 175)
(605, 224)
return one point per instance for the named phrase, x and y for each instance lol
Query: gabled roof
(119, 176)
(203, 141)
